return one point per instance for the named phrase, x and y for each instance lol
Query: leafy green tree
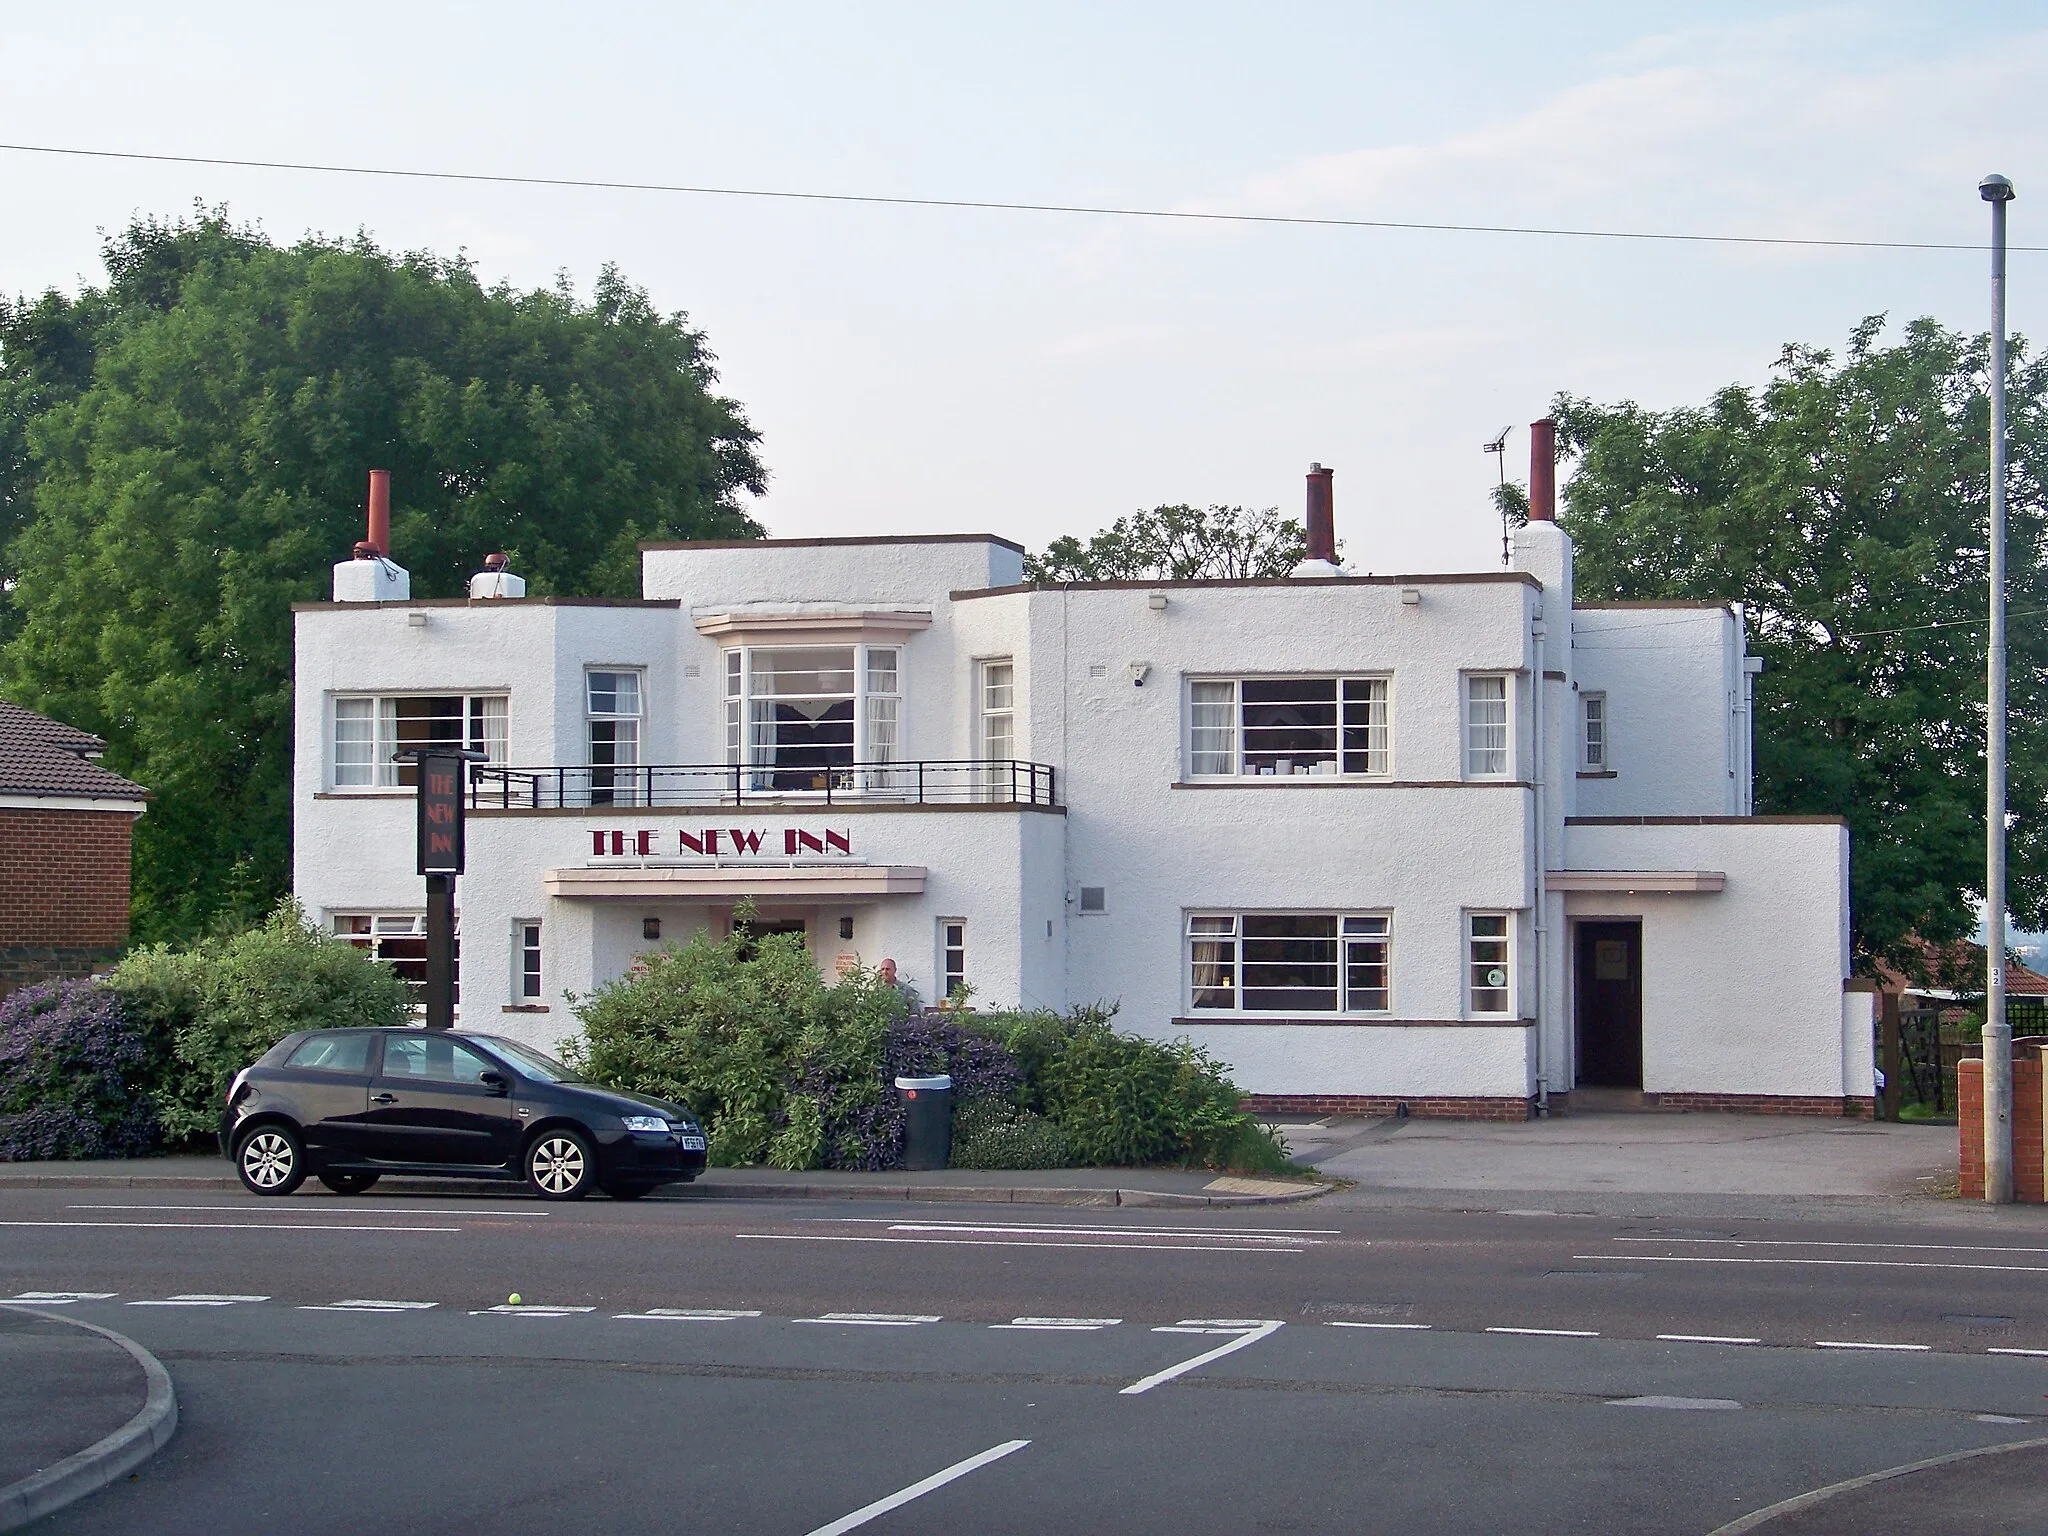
(183, 454)
(1178, 543)
(1844, 505)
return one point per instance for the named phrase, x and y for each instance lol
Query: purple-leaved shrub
(78, 1075)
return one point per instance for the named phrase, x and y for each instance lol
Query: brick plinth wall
(1766, 1104)
(63, 892)
(1438, 1107)
(2029, 1160)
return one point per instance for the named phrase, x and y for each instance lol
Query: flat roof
(1662, 602)
(865, 538)
(1305, 583)
(496, 602)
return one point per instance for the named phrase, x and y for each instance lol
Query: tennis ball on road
(512, 1300)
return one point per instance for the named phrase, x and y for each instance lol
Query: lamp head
(1996, 189)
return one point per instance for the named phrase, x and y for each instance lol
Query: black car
(350, 1105)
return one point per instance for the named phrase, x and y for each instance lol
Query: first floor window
(529, 962)
(952, 956)
(1290, 962)
(613, 705)
(1489, 953)
(399, 939)
(1287, 725)
(369, 733)
(803, 715)
(1593, 714)
(1486, 727)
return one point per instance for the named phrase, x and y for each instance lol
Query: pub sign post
(442, 772)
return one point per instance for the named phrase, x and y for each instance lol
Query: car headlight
(652, 1123)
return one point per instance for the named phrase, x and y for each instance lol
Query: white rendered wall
(1672, 676)
(1742, 988)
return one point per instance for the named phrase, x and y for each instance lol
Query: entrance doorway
(1609, 1008)
(750, 934)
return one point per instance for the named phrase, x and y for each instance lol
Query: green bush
(224, 1002)
(988, 1135)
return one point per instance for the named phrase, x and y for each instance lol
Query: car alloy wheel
(269, 1162)
(559, 1166)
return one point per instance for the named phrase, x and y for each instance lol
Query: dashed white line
(199, 1299)
(1389, 1327)
(1706, 1338)
(1112, 1229)
(1870, 1344)
(1717, 1258)
(531, 1309)
(227, 1226)
(62, 1298)
(1060, 1324)
(365, 1305)
(314, 1209)
(686, 1315)
(917, 1490)
(1550, 1333)
(1657, 1400)
(2038, 1354)
(869, 1319)
(1252, 1334)
(1796, 1242)
(991, 1242)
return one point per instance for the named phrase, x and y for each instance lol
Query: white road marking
(1132, 1229)
(1060, 1324)
(1060, 1231)
(1716, 1258)
(1252, 1334)
(199, 1299)
(1705, 1338)
(1794, 1242)
(1550, 1333)
(1869, 1344)
(531, 1309)
(1391, 1327)
(62, 1298)
(918, 1490)
(685, 1315)
(869, 1319)
(1997, 1418)
(994, 1242)
(373, 1306)
(223, 1226)
(1658, 1401)
(314, 1208)
(2039, 1354)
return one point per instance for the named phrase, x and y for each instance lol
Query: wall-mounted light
(650, 927)
(1156, 601)
(416, 620)
(846, 927)
(1411, 597)
(1140, 670)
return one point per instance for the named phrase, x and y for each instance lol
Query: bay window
(806, 714)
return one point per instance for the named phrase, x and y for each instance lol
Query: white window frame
(1471, 962)
(407, 925)
(995, 709)
(1596, 736)
(877, 711)
(529, 961)
(625, 784)
(1203, 741)
(951, 933)
(1370, 927)
(1469, 726)
(486, 719)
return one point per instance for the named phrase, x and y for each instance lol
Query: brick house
(66, 825)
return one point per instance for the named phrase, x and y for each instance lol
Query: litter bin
(927, 1121)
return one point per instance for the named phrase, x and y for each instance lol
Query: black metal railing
(1001, 781)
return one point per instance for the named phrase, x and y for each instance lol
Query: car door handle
(383, 1098)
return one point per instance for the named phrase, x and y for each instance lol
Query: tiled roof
(1958, 969)
(41, 756)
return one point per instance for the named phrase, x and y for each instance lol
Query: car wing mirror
(494, 1081)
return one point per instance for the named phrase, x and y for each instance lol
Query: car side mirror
(495, 1081)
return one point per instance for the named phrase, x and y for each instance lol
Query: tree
(1844, 505)
(183, 453)
(1178, 543)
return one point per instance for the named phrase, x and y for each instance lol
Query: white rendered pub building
(1454, 842)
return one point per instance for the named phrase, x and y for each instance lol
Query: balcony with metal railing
(951, 781)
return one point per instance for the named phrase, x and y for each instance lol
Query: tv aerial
(1499, 449)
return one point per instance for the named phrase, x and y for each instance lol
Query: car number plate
(692, 1143)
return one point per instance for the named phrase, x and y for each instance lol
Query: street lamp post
(1997, 191)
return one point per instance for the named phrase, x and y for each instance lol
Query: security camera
(1140, 670)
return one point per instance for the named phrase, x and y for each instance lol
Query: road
(679, 1364)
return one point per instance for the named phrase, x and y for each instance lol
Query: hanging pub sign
(440, 807)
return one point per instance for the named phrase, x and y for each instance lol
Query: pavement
(79, 1407)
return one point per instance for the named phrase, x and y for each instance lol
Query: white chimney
(370, 577)
(495, 581)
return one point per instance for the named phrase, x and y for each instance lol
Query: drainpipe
(1542, 864)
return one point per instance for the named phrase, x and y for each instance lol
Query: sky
(1030, 374)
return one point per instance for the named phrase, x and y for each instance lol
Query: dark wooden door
(1610, 1004)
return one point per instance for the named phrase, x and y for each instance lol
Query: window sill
(527, 1008)
(1347, 1021)
(1598, 773)
(1339, 781)
(364, 794)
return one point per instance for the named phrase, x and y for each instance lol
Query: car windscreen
(541, 1068)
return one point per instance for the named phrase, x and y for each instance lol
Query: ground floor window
(399, 939)
(1489, 953)
(529, 962)
(1290, 962)
(952, 956)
